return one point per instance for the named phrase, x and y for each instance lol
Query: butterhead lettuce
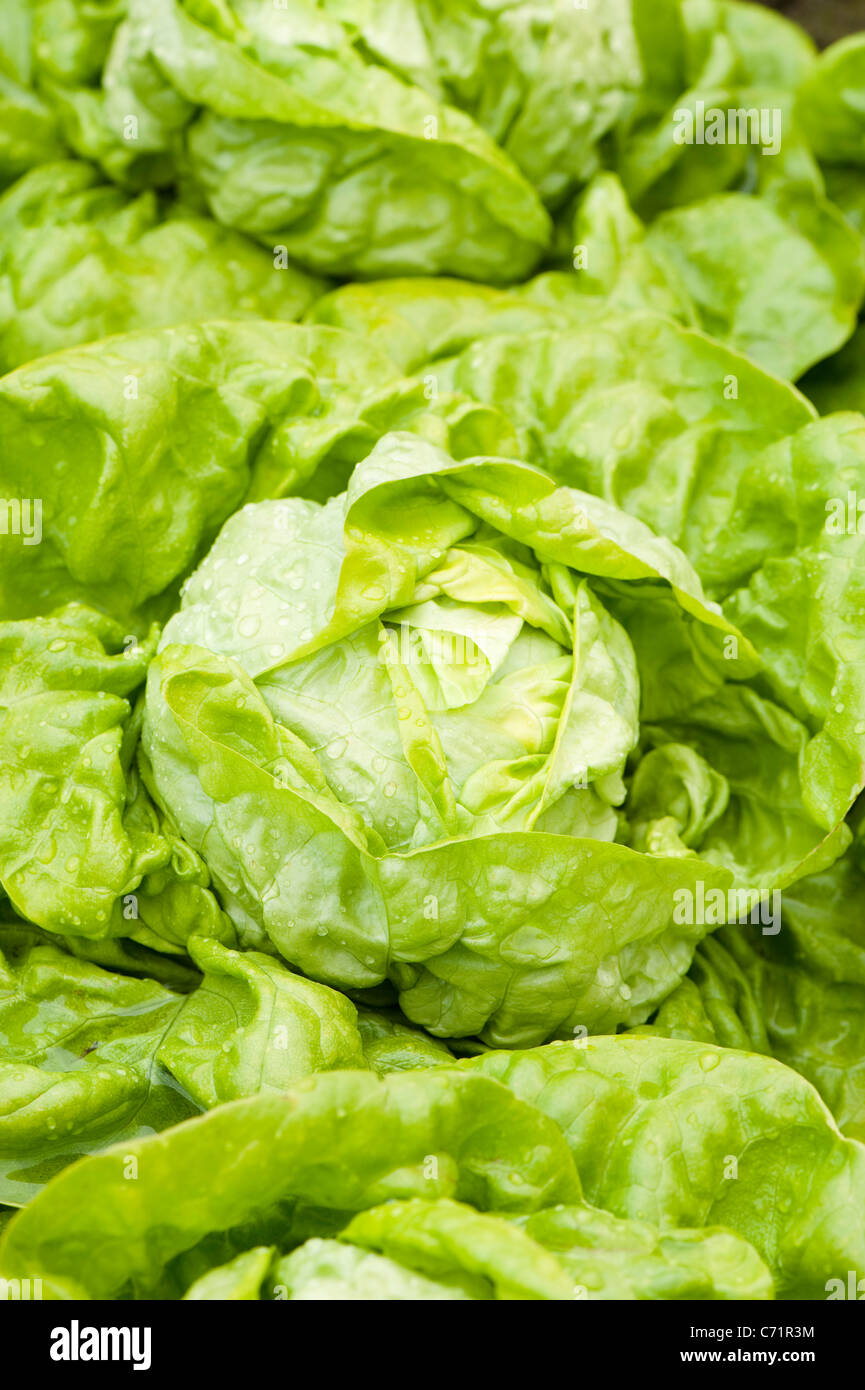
(432, 652)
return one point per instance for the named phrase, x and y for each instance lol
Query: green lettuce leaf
(343, 1141)
(81, 261)
(78, 1060)
(239, 1280)
(788, 323)
(137, 451)
(688, 1134)
(252, 1027)
(83, 850)
(609, 1257)
(353, 172)
(653, 417)
(328, 1271)
(449, 1240)
(759, 995)
(830, 103)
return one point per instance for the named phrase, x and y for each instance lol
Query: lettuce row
(477, 1168)
(383, 682)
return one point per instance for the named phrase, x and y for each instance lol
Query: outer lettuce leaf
(343, 1141)
(592, 1254)
(447, 1240)
(753, 993)
(139, 449)
(655, 418)
(81, 261)
(391, 33)
(419, 321)
(78, 1060)
(252, 1027)
(804, 607)
(797, 995)
(240, 1280)
(70, 39)
(681, 265)
(328, 1271)
(687, 1134)
(615, 262)
(547, 81)
(845, 189)
(678, 266)
(125, 956)
(29, 131)
(727, 56)
(769, 47)
(786, 320)
(824, 916)
(830, 105)
(676, 40)
(390, 1044)
(82, 849)
(611, 1258)
(774, 825)
(67, 853)
(353, 171)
